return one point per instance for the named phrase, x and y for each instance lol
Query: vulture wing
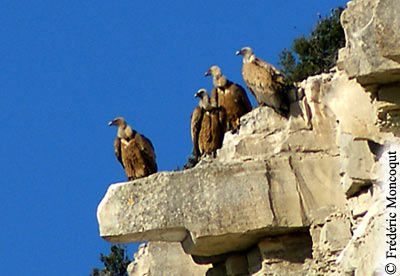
(130, 157)
(195, 126)
(117, 150)
(241, 98)
(217, 129)
(138, 157)
(215, 97)
(236, 104)
(272, 70)
(146, 153)
(265, 82)
(205, 133)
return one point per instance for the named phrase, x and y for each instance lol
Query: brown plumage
(195, 126)
(207, 126)
(133, 150)
(230, 96)
(266, 83)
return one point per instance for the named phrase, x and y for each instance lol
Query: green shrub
(317, 53)
(115, 264)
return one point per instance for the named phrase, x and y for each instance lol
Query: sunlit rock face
(372, 53)
(164, 258)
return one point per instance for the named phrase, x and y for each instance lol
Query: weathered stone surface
(357, 162)
(142, 262)
(160, 259)
(282, 268)
(295, 248)
(185, 201)
(335, 233)
(360, 204)
(285, 255)
(215, 259)
(363, 253)
(348, 103)
(329, 239)
(372, 29)
(387, 28)
(231, 204)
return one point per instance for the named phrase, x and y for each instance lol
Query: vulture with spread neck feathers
(207, 126)
(232, 97)
(266, 83)
(133, 150)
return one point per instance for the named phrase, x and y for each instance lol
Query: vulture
(232, 97)
(266, 83)
(133, 150)
(207, 126)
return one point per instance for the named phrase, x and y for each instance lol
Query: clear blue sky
(69, 67)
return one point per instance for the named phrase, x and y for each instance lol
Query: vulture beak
(239, 52)
(208, 73)
(111, 123)
(196, 95)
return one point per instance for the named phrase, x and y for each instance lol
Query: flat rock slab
(216, 208)
(208, 201)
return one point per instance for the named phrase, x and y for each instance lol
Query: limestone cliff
(297, 196)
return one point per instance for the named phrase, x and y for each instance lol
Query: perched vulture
(232, 97)
(133, 150)
(207, 126)
(266, 83)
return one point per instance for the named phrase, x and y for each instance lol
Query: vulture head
(124, 131)
(214, 71)
(201, 93)
(218, 79)
(204, 99)
(119, 121)
(247, 54)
